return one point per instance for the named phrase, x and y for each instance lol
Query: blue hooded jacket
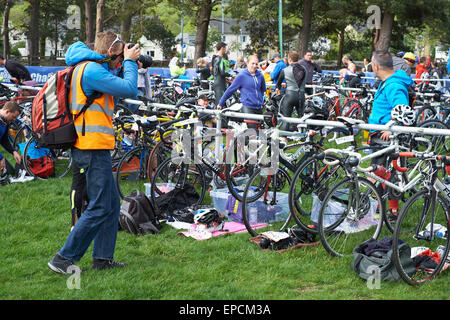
(100, 78)
(390, 93)
(252, 88)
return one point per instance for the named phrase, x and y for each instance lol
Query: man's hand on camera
(131, 53)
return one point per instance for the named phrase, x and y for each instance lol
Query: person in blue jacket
(99, 222)
(279, 65)
(252, 86)
(8, 114)
(392, 91)
(448, 64)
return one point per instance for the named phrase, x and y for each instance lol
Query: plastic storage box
(223, 201)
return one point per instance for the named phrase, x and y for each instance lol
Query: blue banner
(38, 74)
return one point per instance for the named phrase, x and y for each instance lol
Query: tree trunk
(341, 46)
(383, 42)
(89, 22)
(204, 16)
(34, 33)
(304, 34)
(6, 29)
(99, 18)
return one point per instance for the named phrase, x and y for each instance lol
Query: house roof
(228, 25)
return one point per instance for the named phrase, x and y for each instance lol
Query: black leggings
(290, 101)
(78, 193)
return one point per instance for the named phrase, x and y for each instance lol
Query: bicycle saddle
(349, 121)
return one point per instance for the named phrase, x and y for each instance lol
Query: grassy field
(35, 220)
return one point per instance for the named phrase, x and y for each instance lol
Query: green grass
(35, 220)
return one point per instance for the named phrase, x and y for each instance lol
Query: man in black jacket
(311, 67)
(15, 69)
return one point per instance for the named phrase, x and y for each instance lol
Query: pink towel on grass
(229, 227)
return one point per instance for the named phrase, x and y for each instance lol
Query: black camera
(143, 58)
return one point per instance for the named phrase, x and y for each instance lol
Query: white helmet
(404, 114)
(209, 218)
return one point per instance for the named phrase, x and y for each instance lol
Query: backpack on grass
(137, 215)
(51, 120)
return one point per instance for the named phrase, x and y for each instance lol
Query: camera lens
(146, 61)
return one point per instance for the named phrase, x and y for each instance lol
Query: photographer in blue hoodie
(96, 73)
(252, 86)
(392, 91)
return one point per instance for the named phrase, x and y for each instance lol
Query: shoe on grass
(101, 264)
(62, 265)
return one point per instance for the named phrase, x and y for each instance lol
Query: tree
(201, 10)
(7, 6)
(99, 17)
(304, 34)
(33, 34)
(89, 22)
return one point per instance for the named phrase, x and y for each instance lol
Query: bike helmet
(400, 54)
(209, 218)
(315, 106)
(404, 114)
(410, 57)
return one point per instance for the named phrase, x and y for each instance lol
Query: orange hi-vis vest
(94, 128)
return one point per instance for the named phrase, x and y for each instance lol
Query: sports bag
(365, 265)
(42, 167)
(178, 198)
(137, 215)
(51, 119)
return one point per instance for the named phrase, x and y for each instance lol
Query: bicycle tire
(339, 231)
(405, 230)
(62, 160)
(280, 225)
(131, 172)
(174, 173)
(312, 178)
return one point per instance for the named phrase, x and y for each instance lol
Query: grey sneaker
(62, 265)
(101, 264)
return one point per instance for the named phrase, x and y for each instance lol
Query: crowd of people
(112, 69)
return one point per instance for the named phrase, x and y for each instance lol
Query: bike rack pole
(323, 123)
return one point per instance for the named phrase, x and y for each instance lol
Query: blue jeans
(100, 221)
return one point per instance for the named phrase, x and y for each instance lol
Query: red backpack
(52, 122)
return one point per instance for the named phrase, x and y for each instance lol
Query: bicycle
(354, 210)
(419, 217)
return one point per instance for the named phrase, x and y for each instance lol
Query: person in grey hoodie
(252, 86)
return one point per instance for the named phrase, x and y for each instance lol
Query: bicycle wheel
(351, 213)
(61, 158)
(22, 135)
(354, 109)
(269, 210)
(131, 172)
(441, 144)
(239, 171)
(172, 174)
(309, 185)
(410, 228)
(159, 153)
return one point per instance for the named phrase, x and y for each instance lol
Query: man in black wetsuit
(295, 76)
